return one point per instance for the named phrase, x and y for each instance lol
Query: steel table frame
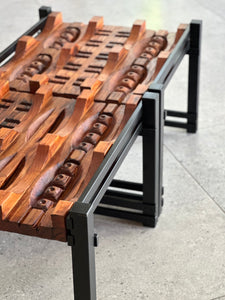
(147, 120)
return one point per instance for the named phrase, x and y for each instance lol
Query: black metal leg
(193, 80)
(152, 154)
(80, 224)
(44, 11)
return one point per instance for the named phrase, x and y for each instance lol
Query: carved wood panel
(64, 98)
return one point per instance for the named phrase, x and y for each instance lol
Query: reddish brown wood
(65, 97)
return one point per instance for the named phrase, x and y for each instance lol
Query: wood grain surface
(65, 96)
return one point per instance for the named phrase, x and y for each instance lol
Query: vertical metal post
(44, 11)
(152, 153)
(80, 224)
(193, 75)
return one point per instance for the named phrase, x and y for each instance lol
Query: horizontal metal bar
(135, 186)
(128, 200)
(12, 47)
(122, 214)
(122, 194)
(176, 124)
(178, 114)
(173, 61)
(122, 202)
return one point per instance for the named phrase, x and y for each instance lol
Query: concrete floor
(183, 258)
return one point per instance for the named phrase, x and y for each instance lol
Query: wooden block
(180, 31)
(92, 138)
(94, 24)
(58, 216)
(115, 57)
(135, 76)
(163, 56)
(110, 109)
(50, 142)
(43, 205)
(7, 136)
(85, 146)
(91, 83)
(99, 154)
(33, 218)
(104, 119)
(42, 96)
(76, 156)
(141, 61)
(116, 97)
(8, 204)
(132, 102)
(54, 19)
(4, 87)
(99, 128)
(84, 101)
(36, 81)
(69, 168)
(61, 181)
(123, 89)
(101, 150)
(140, 89)
(67, 50)
(138, 69)
(127, 82)
(53, 193)
(138, 29)
(24, 44)
(117, 54)
(46, 149)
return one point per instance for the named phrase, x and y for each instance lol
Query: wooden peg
(101, 150)
(48, 147)
(94, 24)
(54, 19)
(7, 136)
(84, 102)
(36, 81)
(4, 87)
(9, 203)
(99, 154)
(42, 96)
(116, 56)
(180, 31)
(162, 57)
(24, 44)
(67, 50)
(138, 29)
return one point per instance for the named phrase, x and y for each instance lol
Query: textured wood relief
(64, 98)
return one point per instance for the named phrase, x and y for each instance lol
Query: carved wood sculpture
(65, 97)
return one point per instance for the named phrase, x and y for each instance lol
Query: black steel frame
(145, 204)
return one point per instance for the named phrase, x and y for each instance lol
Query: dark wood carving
(65, 97)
